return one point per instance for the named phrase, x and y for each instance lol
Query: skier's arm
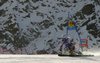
(61, 47)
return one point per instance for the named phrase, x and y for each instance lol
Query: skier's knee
(73, 48)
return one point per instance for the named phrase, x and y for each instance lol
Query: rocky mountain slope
(37, 25)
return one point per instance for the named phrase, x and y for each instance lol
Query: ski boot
(60, 52)
(72, 53)
(80, 53)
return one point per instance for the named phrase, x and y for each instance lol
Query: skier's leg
(72, 50)
(66, 49)
(78, 52)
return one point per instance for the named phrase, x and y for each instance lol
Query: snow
(46, 59)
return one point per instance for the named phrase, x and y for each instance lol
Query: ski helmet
(68, 37)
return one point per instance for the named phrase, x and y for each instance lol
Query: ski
(75, 55)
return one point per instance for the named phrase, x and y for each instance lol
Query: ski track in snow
(47, 59)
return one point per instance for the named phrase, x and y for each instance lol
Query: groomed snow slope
(47, 59)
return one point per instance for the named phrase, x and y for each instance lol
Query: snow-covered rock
(38, 24)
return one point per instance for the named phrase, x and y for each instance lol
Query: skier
(69, 46)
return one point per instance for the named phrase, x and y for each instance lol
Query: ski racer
(69, 46)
